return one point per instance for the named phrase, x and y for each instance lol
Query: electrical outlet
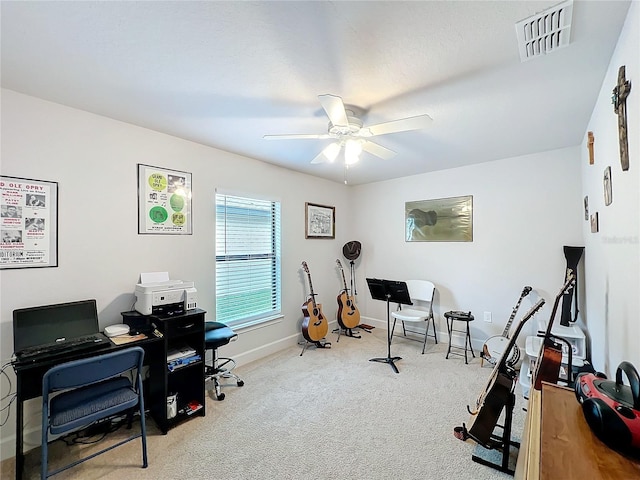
(487, 317)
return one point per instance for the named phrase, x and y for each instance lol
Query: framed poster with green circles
(164, 201)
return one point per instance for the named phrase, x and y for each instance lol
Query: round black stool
(465, 317)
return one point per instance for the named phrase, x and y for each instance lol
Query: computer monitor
(50, 323)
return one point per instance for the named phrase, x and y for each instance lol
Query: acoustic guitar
(348, 313)
(550, 357)
(314, 325)
(495, 346)
(498, 391)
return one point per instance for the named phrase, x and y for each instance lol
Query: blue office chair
(91, 389)
(216, 335)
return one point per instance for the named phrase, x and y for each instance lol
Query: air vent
(545, 32)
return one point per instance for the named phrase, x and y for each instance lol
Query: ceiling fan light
(352, 151)
(331, 151)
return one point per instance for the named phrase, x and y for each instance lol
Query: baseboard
(265, 350)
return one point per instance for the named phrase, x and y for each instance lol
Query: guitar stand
(318, 344)
(348, 332)
(500, 443)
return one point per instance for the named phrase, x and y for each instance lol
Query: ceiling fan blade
(296, 136)
(334, 107)
(329, 153)
(378, 150)
(402, 125)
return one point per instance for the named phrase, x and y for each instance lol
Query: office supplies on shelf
(182, 362)
(181, 351)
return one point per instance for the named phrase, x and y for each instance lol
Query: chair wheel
(220, 397)
(240, 383)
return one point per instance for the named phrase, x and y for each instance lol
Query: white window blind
(247, 259)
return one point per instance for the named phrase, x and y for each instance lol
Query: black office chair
(88, 390)
(216, 335)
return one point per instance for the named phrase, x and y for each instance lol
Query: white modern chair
(421, 293)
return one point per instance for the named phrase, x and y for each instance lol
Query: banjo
(495, 346)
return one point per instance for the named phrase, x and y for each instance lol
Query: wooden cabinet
(558, 443)
(184, 381)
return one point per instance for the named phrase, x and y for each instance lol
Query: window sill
(258, 323)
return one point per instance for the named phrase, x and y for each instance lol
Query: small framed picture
(320, 221)
(595, 227)
(586, 207)
(608, 192)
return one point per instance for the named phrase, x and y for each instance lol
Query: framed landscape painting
(439, 220)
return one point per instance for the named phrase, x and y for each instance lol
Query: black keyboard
(79, 344)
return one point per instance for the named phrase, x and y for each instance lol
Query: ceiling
(226, 73)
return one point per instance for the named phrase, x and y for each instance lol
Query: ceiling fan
(349, 132)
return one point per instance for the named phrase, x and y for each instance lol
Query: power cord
(96, 432)
(8, 399)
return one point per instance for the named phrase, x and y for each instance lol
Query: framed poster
(164, 201)
(28, 223)
(320, 221)
(439, 220)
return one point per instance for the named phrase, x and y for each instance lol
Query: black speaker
(606, 424)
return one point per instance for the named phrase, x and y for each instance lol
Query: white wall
(524, 210)
(94, 159)
(613, 254)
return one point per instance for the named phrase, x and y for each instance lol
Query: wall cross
(619, 100)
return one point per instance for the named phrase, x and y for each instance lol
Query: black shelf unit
(186, 381)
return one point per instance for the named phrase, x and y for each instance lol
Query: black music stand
(389, 291)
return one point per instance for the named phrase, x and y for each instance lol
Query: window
(247, 260)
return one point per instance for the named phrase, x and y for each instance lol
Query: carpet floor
(330, 413)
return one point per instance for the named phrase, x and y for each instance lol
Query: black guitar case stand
(318, 344)
(348, 332)
(497, 452)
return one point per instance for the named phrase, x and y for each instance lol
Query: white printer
(157, 295)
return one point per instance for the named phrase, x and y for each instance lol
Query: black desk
(29, 382)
